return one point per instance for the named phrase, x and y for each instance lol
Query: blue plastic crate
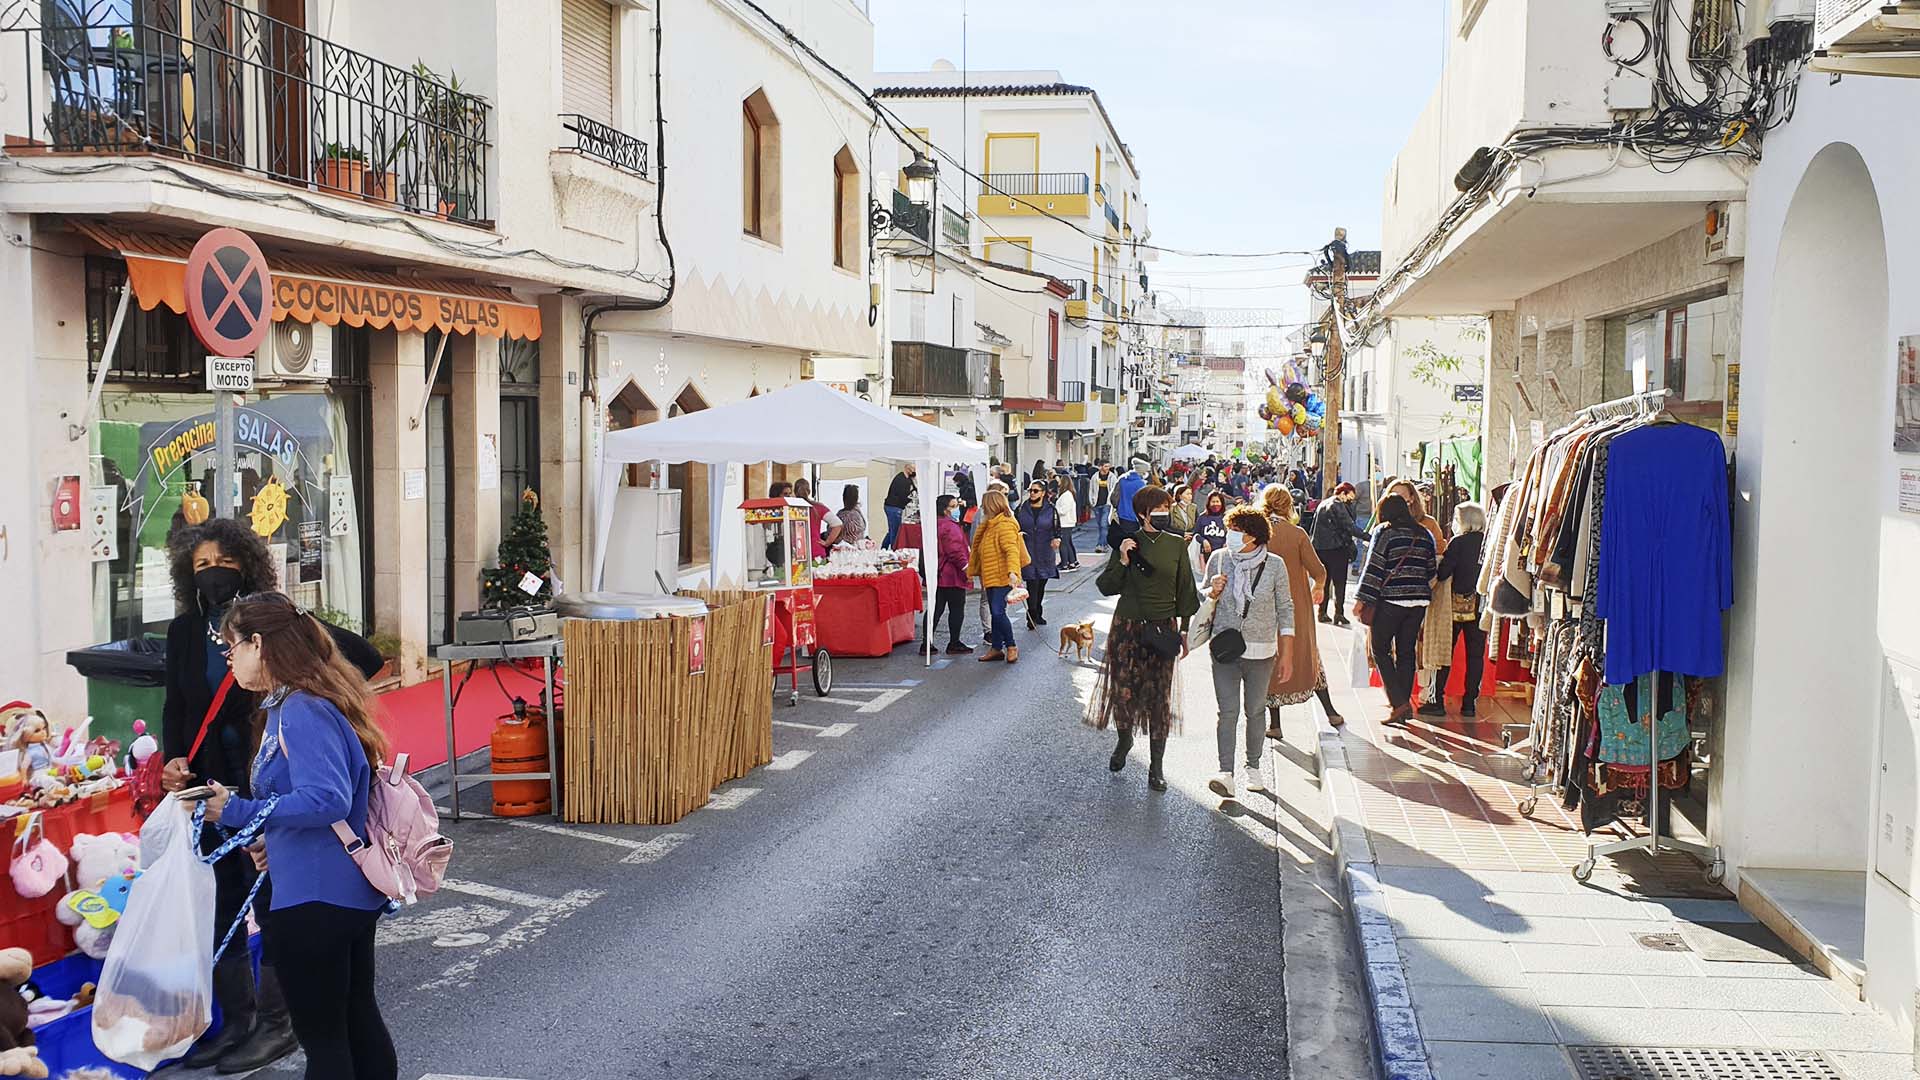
(67, 1043)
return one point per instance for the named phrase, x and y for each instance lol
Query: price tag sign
(697, 646)
(530, 583)
(230, 374)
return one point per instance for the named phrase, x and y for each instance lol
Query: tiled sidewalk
(1485, 959)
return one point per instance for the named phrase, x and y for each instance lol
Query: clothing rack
(1639, 404)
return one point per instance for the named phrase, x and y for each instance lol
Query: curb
(1399, 1049)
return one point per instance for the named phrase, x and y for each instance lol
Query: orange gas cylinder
(519, 745)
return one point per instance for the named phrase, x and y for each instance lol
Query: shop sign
(230, 374)
(697, 646)
(252, 429)
(1469, 392)
(227, 285)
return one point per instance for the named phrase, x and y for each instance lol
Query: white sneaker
(1221, 785)
(1250, 779)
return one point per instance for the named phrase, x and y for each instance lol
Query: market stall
(806, 422)
(869, 611)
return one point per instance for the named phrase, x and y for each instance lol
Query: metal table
(548, 650)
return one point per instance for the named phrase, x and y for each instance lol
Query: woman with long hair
(1334, 533)
(319, 748)
(950, 593)
(1061, 489)
(213, 565)
(1398, 586)
(1435, 647)
(999, 554)
(1309, 580)
(1251, 586)
(1183, 513)
(1461, 566)
(1041, 531)
(1150, 574)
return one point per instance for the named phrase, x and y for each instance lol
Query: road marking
(525, 932)
(731, 798)
(495, 893)
(644, 851)
(440, 922)
(460, 941)
(830, 731)
(835, 731)
(903, 683)
(807, 727)
(450, 1076)
(830, 701)
(883, 699)
(788, 760)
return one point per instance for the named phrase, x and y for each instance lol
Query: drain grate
(1699, 1063)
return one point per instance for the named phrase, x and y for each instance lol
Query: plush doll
(104, 868)
(17, 1055)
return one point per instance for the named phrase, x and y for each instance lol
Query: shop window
(760, 168)
(155, 347)
(847, 218)
(440, 498)
(519, 423)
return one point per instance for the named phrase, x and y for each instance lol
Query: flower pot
(380, 186)
(343, 175)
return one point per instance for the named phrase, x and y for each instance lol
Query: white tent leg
(716, 512)
(929, 541)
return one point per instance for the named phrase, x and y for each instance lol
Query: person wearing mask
(853, 521)
(1334, 533)
(1102, 482)
(1308, 576)
(1210, 528)
(998, 557)
(1252, 593)
(950, 591)
(1461, 565)
(1437, 632)
(1398, 586)
(1125, 521)
(963, 483)
(1150, 574)
(1040, 530)
(213, 565)
(1069, 512)
(902, 493)
(319, 748)
(1183, 513)
(826, 523)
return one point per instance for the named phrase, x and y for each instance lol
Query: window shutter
(586, 59)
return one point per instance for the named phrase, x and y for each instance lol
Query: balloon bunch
(1296, 409)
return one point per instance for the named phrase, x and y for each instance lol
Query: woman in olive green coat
(1150, 574)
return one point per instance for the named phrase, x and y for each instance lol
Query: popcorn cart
(779, 561)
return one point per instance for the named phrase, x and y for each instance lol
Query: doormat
(1737, 943)
(1699, 1063)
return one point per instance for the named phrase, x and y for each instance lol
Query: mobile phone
(194, 794)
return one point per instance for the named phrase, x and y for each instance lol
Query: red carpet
(416, 716)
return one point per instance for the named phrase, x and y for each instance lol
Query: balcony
(1526, 66)
(955, 228)
(1073, 391)
(911, 219)
(605, 143)
(1034, 194)
(1113, 217)
(923, 370)
(239, 90)
(1077, 299)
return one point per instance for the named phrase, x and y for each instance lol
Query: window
(846, 211)
(1011, 251)
(586, 59)
(760, 168)
(1676, 366)
(519, 423)
(1053, 354)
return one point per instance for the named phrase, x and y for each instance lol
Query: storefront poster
(489, 478)
(340, 506)
(103, 525)
(1906, 396)
(697, 646)
(414, 484)
(311, 546)
(1910, 491)
(156, 586)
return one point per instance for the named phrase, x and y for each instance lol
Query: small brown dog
(1080, 636)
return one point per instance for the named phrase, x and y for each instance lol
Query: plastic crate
(31, 923)
(67, 1043)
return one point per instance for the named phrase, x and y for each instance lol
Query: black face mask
(1161, 521)
(218, 585)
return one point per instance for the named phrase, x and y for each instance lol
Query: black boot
(1273, 724)
(272, 1037)
(1156, 780)
(1119, 759)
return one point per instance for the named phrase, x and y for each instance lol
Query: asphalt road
(954, 886)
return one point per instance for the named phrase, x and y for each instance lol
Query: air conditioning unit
(1867, 37)
(297, 352)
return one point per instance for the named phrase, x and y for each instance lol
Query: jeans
(1001, 635)
(1036, 600)
(1099, 522)
(1476, 663)
(1240, 688)
(951, 599)
(893, 525)
(324, 955)
(1337, 564)
(1396, 634)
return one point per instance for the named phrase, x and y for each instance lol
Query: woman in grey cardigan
(1253, 596)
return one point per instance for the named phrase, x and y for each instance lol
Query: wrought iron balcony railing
(1113, 217)
(921, 369)
(1078, 285)
(235, 88)
(1073, 391)
(605, 142)
(1005, 183)
(954, 227)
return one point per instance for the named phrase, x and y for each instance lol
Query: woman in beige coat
(1308, 576)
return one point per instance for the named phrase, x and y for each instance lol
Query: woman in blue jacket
(318, 750)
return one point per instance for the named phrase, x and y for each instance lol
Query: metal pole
(1334, 366)
(453, 753)
(553, 718)
(223, 465)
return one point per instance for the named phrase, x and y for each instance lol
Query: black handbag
(1230, 644)
(1162, 638)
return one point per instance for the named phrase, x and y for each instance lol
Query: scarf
(1241, 568)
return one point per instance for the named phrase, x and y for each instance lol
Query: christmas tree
(523, 550)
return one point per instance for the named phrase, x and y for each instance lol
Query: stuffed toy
(104, 868)
(27, 731)
(17, 1055)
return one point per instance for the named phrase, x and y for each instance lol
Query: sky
(1258, 125)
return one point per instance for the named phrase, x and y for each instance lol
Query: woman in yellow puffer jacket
(999, 554)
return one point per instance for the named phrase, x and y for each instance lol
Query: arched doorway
(1807, 761)
(631, 407)
(691, 481)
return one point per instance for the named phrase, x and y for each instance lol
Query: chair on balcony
(83, 112)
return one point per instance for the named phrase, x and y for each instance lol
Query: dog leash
(240, 838)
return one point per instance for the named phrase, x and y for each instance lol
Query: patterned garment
(1274, 701)
(1136, 688)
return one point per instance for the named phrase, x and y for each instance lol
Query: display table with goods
(866, 601)
(666, 700)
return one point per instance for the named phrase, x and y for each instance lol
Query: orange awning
(312, 291)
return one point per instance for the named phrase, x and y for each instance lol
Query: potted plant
(388, 646)
(379, 180)
(451, 123)
(342, 169)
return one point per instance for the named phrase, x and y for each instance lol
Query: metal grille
(1699, 1063)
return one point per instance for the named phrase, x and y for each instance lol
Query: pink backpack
(404, 854)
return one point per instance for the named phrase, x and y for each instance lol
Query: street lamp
(920, 179)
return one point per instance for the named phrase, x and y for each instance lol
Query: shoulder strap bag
(1230, 644)
(1363, 611)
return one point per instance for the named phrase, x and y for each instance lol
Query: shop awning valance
(315, 291)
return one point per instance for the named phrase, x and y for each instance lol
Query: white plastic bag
(156, 991)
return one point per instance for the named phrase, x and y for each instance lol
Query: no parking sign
(228, 293)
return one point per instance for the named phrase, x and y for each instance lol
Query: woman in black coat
(1334, 533)
(212, 564)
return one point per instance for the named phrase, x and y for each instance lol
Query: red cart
(779, 550)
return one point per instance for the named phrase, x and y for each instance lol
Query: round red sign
(229, 303)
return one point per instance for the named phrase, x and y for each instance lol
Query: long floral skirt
(1135, 691)
(1274, 701)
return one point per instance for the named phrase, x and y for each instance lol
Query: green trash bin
(126, 681)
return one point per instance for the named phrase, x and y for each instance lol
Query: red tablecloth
(867, 616)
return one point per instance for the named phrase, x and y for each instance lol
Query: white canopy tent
(1191, 452)
(807, 422)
